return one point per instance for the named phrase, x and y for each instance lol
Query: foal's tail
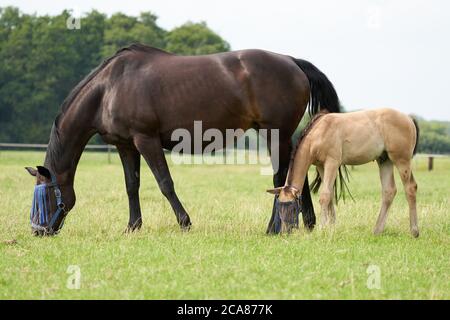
(416, 124)
(323, 95)
(343, 178)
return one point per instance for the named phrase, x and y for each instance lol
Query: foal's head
(287, 208)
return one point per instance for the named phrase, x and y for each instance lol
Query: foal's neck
(299, 168)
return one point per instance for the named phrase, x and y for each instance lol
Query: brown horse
(333, 140)
(138, 97)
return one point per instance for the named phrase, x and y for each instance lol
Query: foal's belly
(361, 149)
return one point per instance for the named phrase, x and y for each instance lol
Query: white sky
(377, 53)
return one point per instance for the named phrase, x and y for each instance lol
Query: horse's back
(151, 90)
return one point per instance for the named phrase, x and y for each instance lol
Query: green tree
(122, 30)
(434, 137)
(41, 60)
(194, 39)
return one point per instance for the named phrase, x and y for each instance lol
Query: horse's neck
(299, 169)
(68, 139)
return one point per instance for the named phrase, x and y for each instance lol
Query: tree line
(434, 136)
(43, 57)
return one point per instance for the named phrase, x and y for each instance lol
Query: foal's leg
(152, 151)
(326, 194)
(388, 192)
(131, 162)
(331, 209)
(410, 186)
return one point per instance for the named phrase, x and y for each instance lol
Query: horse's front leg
(151, 149)
(131, 160)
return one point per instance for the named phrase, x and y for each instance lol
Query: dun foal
(333, 140)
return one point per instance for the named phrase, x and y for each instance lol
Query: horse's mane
(307, 129)
(133, 47)
(54, 148)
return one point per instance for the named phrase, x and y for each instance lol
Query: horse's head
(48, 210)
(287, 208)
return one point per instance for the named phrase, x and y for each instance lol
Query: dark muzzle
(45, 221)
(287, 214)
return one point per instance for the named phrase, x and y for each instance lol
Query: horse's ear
(43, 171)
(31, 171)
(275, 191)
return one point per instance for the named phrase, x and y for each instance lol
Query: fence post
(109, 154)
(430, 163)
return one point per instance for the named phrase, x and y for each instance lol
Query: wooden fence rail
(36, 146)
(108, 148)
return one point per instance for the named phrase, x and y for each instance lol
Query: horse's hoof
(186, 226)
(185, 223)
(309, 227)
(133, 227)
(415, 233)
(272, 231)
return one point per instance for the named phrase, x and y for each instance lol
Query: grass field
(226, 255)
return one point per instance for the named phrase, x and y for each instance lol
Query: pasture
(226, 255)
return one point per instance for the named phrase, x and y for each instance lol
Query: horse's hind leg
(152, 151)
(131, 160)
(388, 191)
(410, 186)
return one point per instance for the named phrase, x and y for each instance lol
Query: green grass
(226, 255)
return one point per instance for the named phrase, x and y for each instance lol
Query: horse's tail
(340, 183)
(416, 124)
(323, 95)
(315, 184)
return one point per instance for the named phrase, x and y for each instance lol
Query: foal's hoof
(415, 233)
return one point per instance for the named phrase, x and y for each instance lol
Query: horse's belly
(201, 135)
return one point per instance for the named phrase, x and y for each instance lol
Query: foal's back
(362, 136)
